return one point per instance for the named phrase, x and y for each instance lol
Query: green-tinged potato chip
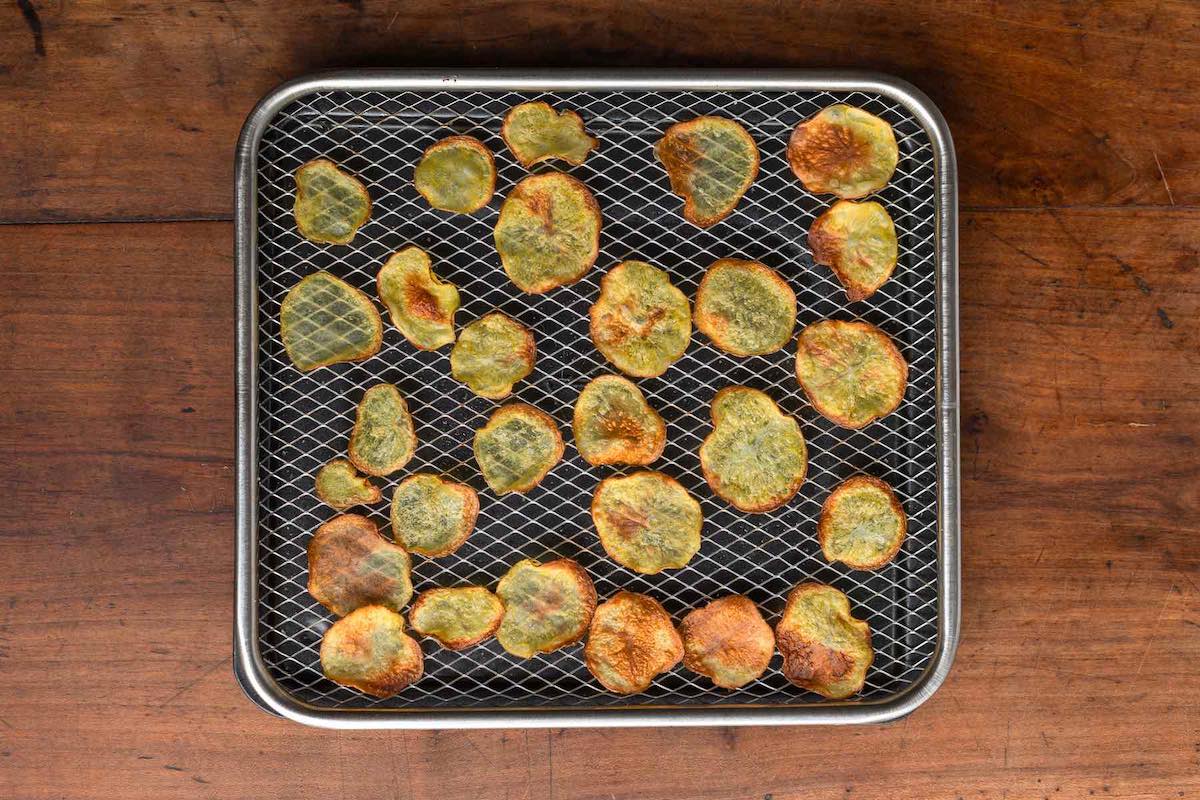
(324, 320)
(339, 486)
(858, 242)
(456, 174)
(862, 523)
(728, 641)
(755, 457)
(421, 305)
(711, 162)
(536, 132)
(647, 521)
(457, 618)
(745, 307)
(824, 648)
(433, 516)
(851, 372)
(351, 565)
(843, 150)
(330, 205)
(640, 322)
(491, 354)
(517, 447)
(548, 233)
(369, 651)
(383, 439)
(614, 424)
(630, 643)
(546, 606)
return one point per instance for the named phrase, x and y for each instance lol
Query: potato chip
(324, 320)
(711, 162)
(350, 565)
(339, 486)
(536, 132)
(491, 354)
(433, 516)
(368, 650)
(850, 371)
(862, 523)
(745, 307)
(456, 174)
(458, 617)
(647, 521)
(824, 648)
(858, 242)
(640, 322)
(383, 439)
(631, 642)
(727, 641)
(517, 447)
(843, 150)
(546, 606)
(330, 205)
(614, 424)
(755, 457)
(421, 306)
(548, 233)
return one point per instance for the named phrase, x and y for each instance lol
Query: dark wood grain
(1076, 675)
(129, 110)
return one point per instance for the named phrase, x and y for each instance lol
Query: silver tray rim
(249, 669)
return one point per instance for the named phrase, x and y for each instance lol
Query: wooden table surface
(1078, 674)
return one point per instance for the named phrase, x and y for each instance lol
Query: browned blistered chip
(850, 371)
(640, 322)
(548, 232)
(858, 242)
(711, 162)
(647, 521)
(339, 486)
(350, 565)
(517, 447)
(862, 523)
(614, 424)
(536, 132)
(745, 307)
(727, 641)
(824, 648)
(457, 617)
(631, 642)
(493, 353)
(369, 651)
(421, 306)
(433, 516)
(383, 439)
(843, 150)
(456, 174)
(546, 606)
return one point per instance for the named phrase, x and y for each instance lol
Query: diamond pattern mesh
(305, 420)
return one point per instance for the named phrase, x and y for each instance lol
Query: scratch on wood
(1164, 319)
(1163, 175)
(35, 26)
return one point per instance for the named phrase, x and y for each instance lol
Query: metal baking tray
(376, 124)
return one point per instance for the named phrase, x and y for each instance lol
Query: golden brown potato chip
(433, 516)
(843, 150)
(369, 651)
(647, 521)
(850, 371)
(727, 641)
(548, 233)
(456, 174)
(491, 354)
(351, 565)
(745, 307)
(858, 242)
(630, 643)
(614, 424)
(330, 205)
(824, 648)
(339, 486)
(755, 456)
(546, 606)
(421, 306)
(536, 132)
(383, 439)
(324, 320)
(517, 447)
(862, 523)
(457, 618)
(640, 322)
(711, 162)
